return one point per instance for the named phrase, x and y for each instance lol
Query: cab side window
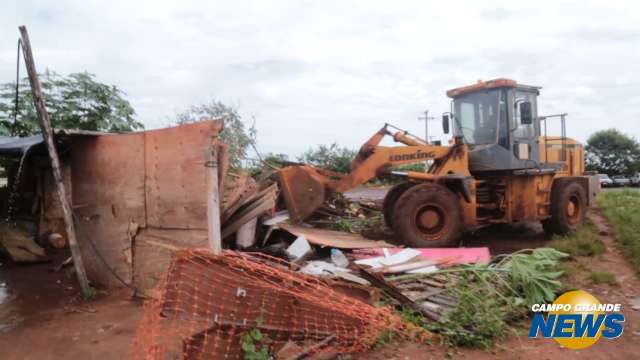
(523, 131)
(503, 121)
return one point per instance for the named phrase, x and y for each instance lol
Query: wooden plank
(336, 239)
(237, 193)
(213, 201)
(47, 134)
(20, 246)
(253, 210)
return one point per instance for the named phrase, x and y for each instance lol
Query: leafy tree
(76, 101)
(332, 157)
(612, 152)
(235, 133)
(278, 160)
(267, 165)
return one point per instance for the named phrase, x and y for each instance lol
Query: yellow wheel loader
(500, 167)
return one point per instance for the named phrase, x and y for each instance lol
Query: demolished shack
(136, 197)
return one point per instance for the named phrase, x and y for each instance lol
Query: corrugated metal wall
(137, 196)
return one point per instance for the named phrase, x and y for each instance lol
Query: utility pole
(47, 135)
(426, 119)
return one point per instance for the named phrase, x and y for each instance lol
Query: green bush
(332, 157)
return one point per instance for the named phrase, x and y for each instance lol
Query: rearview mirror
(526, 115)
(445, 123)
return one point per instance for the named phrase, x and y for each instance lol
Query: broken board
(20, 246)
(336, 239)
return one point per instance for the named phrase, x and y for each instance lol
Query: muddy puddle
(9, 312)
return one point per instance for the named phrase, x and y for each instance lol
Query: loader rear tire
(428, 215)
(568, 209)
(390, 200)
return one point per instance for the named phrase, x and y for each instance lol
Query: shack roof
(16, 146)
(490, 84)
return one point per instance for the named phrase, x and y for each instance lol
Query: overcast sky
(314, 72)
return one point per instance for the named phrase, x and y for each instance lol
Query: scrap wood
(20, 246)
(406, 266)
(312, 348)
(277, 218)
(379, 281)
(236, 194)
(335, 239)
(67, 262)
(288, 349)
(431, 302)
(255, 206)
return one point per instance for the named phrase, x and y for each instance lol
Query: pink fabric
(479, 255)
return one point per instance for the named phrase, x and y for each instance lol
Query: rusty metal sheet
(107, 174)
(153, 249)
(303, 189)
(176, 176)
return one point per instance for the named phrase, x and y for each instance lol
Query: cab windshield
(476, 117)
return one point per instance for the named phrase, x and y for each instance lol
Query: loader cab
(498, 120)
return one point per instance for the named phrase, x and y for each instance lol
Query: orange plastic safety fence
(209, 305)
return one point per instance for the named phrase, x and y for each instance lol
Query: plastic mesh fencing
(233, 305)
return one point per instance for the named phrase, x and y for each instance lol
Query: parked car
(605, 180)
(621, 180)
(635, 180)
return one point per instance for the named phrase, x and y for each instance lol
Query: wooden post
(213, 200)
(47, 134)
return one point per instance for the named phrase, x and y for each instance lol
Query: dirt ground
(43, 317)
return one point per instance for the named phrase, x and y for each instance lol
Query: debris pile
(473, 304)
(237, 305)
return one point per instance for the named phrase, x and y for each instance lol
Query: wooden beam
(213, 200)
(47, 134)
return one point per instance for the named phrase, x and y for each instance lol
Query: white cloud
(316, 72)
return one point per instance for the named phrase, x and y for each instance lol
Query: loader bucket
(303, 189)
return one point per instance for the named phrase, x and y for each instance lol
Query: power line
(426, 118)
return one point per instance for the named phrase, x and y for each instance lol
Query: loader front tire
(390, 200)
(428, 215)
(568, 208)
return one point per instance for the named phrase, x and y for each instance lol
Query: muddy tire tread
(415, 196)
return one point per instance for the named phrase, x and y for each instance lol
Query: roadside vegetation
(583, 242)
(493, 299)
(622, 210)
(581, 246)
(603, 277)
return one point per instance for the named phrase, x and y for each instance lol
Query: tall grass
(622, 210)
(582, 242)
